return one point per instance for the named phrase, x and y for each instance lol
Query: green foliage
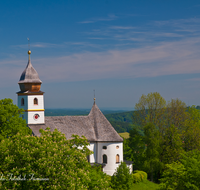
(184, 174)
(62, 162)
(121, 127)
(169, 129)
(122, 178)
(139, 176)
(136, 147)
(152, 154)
(191, 132)
(172, 145)
(149, 109)
(173, 177)
(10, 121)
(98, 179)
(121, 117)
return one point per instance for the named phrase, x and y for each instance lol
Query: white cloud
(163, 59)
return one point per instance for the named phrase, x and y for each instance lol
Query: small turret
(30, 98)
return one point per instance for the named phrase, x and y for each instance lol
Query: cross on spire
(94, 95)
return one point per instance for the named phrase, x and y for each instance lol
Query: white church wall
(40, 104)
(130, 167)
(25, 106)
(32, 120)
(92, 147)
(113, 149)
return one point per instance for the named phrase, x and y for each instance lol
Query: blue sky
(122, 49)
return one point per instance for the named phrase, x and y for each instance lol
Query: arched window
(22, 102)
(117, 147)
(117, 158)
(88, 158)
(104, 147)
(104, 159)
(35, 101)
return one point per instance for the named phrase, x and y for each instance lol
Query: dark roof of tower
(29, 75)
(95, 126)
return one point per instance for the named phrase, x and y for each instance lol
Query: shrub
(139, 176)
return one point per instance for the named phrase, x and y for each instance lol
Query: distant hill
(122, 117)
(71, 112)
(119, 119)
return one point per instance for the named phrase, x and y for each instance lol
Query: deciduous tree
(47, 162)
(10, 121)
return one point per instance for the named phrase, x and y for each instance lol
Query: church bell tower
(30, 98)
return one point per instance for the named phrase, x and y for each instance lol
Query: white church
(105, 142)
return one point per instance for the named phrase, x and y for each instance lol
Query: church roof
(95, 126)
(29, 75)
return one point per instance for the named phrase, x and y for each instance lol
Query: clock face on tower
(36, 116)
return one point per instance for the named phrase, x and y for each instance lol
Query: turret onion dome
(29, 77)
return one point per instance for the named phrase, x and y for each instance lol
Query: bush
(139, 176)
(122, 179)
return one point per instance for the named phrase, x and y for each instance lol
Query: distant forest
(119, 119)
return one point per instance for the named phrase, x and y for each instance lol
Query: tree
(137, 148)
(173, 177)
(10, 121)
(47, 162)
(184, 174)
(164, 127)
(176, 113)
(152, 162)
(149, 109)
(122, 178)
(172, 145)
(191, 132)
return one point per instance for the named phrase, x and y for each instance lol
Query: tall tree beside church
(10, 121)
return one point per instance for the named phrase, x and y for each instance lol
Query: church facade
(105, 142)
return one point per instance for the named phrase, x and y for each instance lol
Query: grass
(125, 135)
(146, 185)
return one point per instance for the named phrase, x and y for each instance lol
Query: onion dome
(29, 80)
